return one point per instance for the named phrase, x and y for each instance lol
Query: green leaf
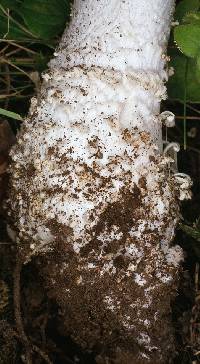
(198, 64)
(10, 114)
(10, 28)
(194, 233)
(45, 18)
(192, 18)
(177, 83)
(185, 7)
(10, 4)
(187, 38)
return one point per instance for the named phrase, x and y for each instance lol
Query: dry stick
(42, 354)
(16, 22)
(4, 48)
(10, 95)
(18, 316)
(19, 46)
(192, 148)
(14, 51)
(4, 60)
(193, 108)
(4, 81)
(189, 117)
(8, 84)
(5, 243)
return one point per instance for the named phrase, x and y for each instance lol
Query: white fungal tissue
(88, 174)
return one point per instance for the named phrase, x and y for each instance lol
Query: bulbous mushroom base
(115, 294)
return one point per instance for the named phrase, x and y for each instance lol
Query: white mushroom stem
(128, 39)
(88, 179)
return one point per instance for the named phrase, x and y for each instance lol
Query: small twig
(12, 52)
(24, 48)
(4, 60)
(184, 109)
(8, 83)
(16, 22)
(42, 354)
(7, 96)
(9, 243)
(193, 108)
(188, 117)
(4, 81)
(8, 23)
(18, 46)
(191, 148)
(4, 48)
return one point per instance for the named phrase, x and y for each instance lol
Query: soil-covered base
(43, 319)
